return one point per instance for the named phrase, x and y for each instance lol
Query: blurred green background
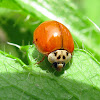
(90, 8)
(17, 23)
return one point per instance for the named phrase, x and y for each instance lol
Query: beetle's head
(59, 58)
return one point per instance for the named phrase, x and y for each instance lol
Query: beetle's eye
(55, 64)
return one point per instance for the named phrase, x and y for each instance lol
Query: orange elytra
(54, 40)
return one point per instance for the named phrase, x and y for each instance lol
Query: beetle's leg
(41, 60)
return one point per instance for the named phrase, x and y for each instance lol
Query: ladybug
(55, 41)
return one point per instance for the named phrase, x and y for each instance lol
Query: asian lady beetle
(54, 40)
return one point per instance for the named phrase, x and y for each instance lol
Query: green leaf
(85, 34)
(92, 11)
(80, 79)
(7, 4)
